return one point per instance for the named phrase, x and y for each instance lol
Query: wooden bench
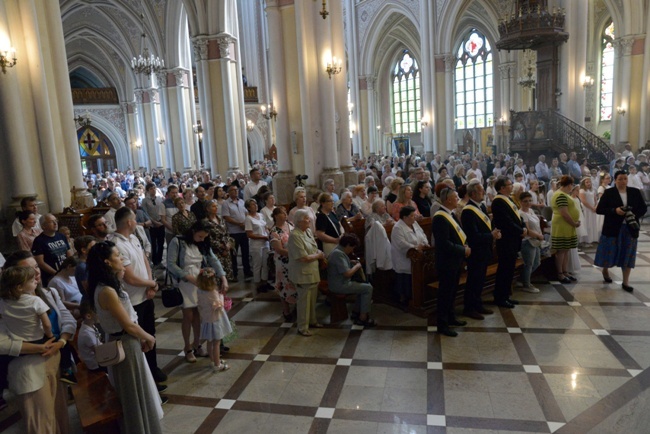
(97, 402)
(338, 302)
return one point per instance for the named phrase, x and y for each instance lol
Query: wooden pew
(97, 403)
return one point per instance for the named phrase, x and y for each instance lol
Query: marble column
(131, 122)
(177, 118)
(374, 134)
(427, 79)
(450, 110)
(353, 73)
(205, 96)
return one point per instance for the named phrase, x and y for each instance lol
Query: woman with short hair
(566, 219)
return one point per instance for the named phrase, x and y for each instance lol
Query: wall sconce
(333, 67)
(160, 141)
(83, 121)
(323, 13)
(198, 129)
(353, 127)
(378, 127)
(137, 144)
(250, 125)
(424, 122)
(272, 113)
(7, 59)
(621, 110)
(587, 81)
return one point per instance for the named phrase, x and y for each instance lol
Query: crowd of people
(55, 284)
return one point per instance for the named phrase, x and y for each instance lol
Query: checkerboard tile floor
(573, 358)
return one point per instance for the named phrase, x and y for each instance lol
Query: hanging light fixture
(323, 13)
(146, 63)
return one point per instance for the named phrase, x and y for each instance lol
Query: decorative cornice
(200, 49)
(623, 45)
(161, 77)
(224, 45)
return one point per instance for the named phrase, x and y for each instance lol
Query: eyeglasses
(445, 192)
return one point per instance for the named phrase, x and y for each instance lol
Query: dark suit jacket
(450, 251)
(612, 200)
(479, 237)
(510, 224)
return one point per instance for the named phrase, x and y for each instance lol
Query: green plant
(607, 135)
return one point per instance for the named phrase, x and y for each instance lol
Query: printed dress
(283, 285)
(218, 239)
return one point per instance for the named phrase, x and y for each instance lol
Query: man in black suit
(480, 236)
(505, 217)
(450, 252)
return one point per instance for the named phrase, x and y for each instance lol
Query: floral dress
(181, 223)
(218, 239)
(283, 285)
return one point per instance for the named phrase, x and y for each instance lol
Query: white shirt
(402, 239)
(634, 180)
(110, 220)
(268, 216)
(133, 255)
(22, 317)
(67, 288)
(251, 188)
(477, 172)
(258, 226)
(86, 343)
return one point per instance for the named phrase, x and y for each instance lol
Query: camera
(630, 219)
(299, 180)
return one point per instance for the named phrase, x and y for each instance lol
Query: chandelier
(146, 63)
(527, 81)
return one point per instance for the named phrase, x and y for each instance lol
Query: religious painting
(487, 141)
(401, 146)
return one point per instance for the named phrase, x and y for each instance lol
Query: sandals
(305, 333)
(221, 367)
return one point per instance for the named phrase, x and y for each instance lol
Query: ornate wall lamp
(333, 67)
(424, 122)
(83, 121)
(161, 141)
(621, 110)
(7, 58)
(250, 125)
(272, 113)
(137, 144)
(323, 13)
(587, 81)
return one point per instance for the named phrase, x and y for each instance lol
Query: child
(214, 320)
(68, 235)
(88, 338)
(65, 283)
(24, 313)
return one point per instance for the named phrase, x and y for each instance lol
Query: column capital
(506, 68)
(450, 61)
(623, 45)
(200, 49)
(370, 81)
(139, 96)
(161, 77)
(224, 42)
(179, 74)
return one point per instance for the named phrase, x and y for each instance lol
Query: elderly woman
(407, 234)
(530, 245)
(303, 271)
(395, 185)
(300, 197)
(132, 378)
(183, 219)
(26, 237)
(618, 242)
(267, 210)
(328, 187)
(347, 209)
(185, 258)
(34, 376)
(328, 227)
(359, 195)
(566, 218)
(220, 242)
(379, 214)
(404, 198)
(459, 175)
(279, 239)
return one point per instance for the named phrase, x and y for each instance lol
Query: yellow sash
(454, 224)
(510, 203)
(480, 214)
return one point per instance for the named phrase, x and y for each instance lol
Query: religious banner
(401, 145)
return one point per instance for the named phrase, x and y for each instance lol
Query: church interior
(217, 85)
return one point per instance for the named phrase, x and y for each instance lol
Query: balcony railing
(102, 95)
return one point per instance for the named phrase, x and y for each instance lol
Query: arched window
(406, 95)
(473, 79)
(607, 73)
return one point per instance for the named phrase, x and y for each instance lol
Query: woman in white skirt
(186, 256)
(258, 236)
(588, 198)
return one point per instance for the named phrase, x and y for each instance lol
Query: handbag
(110, 353)
(171, 294)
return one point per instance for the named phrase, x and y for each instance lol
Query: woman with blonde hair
(395, 185)
(404, 198)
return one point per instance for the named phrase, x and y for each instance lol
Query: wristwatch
(64, 342)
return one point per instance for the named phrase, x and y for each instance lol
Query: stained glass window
(93, 143)
(607, 73)
(406, 95)
(473, 82)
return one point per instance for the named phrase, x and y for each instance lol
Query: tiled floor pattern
(571, 359)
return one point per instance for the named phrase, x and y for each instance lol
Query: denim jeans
(531, 256)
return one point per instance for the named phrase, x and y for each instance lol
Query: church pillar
(623, 47)
(340, 85)
(63, 117)
(374, 133)
(283, 180)
(449, 109)
(355, 97)
(644, 111)
(129, 109)
(205, 92)
(147, 101)
(427, 80)
(574, 59)
(507, 72)
(177, 119)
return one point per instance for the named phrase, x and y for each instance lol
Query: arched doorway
(96, 151)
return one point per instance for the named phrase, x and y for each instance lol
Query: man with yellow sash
(480, 238)
(505, 217)
(451, 249)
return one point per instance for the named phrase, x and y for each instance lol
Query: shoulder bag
(110, 353)
(171, 293)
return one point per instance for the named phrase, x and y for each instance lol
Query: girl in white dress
(605, 181)
(590, 222)
(215, 324)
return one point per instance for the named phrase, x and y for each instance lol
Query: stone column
(374, 135)
(205, 96)
(283, 180)
(623, 47)
(177, 119)
(129, 109)
(352, 73)
(427, 79)
(450, 110)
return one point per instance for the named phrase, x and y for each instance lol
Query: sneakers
(161, 387)
(68, 377)
(519, 285)
(189, 356)
(531, 289)
(164, 400)
(220, 367)
(200, 352)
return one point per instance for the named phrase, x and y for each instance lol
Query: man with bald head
(50, 248)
